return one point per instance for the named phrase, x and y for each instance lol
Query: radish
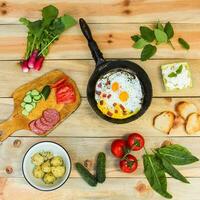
(43, 33)
(32, 59)
(38, 63)
(24, 66)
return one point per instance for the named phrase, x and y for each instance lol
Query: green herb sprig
(161, 161)
(44, 32)
(160, 34)
(178, 71)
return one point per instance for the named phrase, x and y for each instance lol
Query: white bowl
(27, 166)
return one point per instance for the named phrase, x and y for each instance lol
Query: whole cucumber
(101, 167)
(86, 175)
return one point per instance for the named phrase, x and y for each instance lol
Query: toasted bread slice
(193, 123)
(164, 121)
(178, 121)
(184, 109)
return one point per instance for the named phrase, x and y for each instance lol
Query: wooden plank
(81, 149)
(109, 11)
(80, 71)
(85, 123)
(112, 189)
(117, 188)
(113, 39)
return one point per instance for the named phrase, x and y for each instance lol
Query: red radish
(24, 66)
(38, 63)
(32, 59)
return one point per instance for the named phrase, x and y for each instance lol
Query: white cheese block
(176, 76)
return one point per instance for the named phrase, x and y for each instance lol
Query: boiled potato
(46, 166)
(37, 172)
(49, 178)
(37, 159)
(47, 155)
(58, 171)
(56, 161)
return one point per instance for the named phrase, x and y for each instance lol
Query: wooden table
(84, 134)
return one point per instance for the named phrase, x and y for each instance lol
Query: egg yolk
(123, 96)
(115, 86)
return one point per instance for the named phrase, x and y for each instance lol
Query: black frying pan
(103, 67)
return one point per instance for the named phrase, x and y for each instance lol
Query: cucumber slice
(37, 97)
(33, 104)
(28, 107)
(29, 92)
(23, 104)
(35, 93)
(28, 99)
(34, 101)
(25, 113)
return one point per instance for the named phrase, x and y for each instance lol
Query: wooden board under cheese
(47, 113)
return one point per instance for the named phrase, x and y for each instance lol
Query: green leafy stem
(160, 34)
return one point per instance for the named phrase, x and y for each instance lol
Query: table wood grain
(84, 134)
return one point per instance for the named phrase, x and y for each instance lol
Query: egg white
(127, 83)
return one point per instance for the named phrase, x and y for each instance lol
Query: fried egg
(119, 94)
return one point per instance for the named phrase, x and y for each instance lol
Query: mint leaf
(169, 30)
(148, 51)
(172, 74)
(135, 38)
(183, 43)
(140, 44)
(159, 26)
(147, 33)
(179, 70)
(161, 36)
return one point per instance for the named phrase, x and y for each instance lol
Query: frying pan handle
(96, 53)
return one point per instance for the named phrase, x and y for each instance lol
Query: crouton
(184, 109)
(193, 123)
(164, 121)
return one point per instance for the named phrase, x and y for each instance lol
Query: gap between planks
(100, 137)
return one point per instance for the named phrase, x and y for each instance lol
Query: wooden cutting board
(17, 121)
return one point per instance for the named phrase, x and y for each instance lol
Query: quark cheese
(176, 76)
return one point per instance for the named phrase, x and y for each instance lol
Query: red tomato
(118, 148)
(67, 98)
(129, 164)
(135, 141)
(59, 82)
(65, 94)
